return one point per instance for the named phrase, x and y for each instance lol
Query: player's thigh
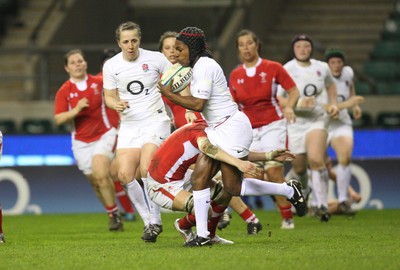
(343, 146)
(128, 161)
(145, 157)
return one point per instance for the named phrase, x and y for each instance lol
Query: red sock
(187, 222)
(123, 198)
(1, 220)
(217, 212)
(286, 211)
(248, 216)
(111, 209)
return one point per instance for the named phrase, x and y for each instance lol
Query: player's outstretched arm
(280, 155)
(206, 147)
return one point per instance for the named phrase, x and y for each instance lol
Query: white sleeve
(109, 81)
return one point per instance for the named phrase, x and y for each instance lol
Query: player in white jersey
(130, 82)
(309, 134)
(228, 128)
(340, 130)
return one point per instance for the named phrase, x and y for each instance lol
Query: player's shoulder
(348, 71)
(66, 85)
(237, 70)
(290, 64)
(197, 128)
(320, 65)
(113, 61)
(96, 78)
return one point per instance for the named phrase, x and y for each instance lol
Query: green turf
(369, 241)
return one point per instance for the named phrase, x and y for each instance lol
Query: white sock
(256, 187)
(201, 199)
(320, 183)
(313, 199)
(136, 195)
(155, 209)
(343, 177)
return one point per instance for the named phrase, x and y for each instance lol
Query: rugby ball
(177, 75)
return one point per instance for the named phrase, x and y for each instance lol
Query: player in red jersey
(169, 179)
(253, 86)
(79, 101)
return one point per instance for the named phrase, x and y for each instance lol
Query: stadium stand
(362, 88)
(388, 120)
(386, 50)
(382, 70)
(388, 88)
(8, 126)
(36, 126)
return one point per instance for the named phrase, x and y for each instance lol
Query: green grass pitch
(370, 240)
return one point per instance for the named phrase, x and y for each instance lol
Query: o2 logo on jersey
(136, 88)
(310, 90)
(340, 98)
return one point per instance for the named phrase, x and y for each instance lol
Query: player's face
(302, 50)
(129, 42)
(168, 49)
(76, 66)
(248, 48)
(182, 53)
(336, 65)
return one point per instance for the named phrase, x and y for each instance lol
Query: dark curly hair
(195, 39)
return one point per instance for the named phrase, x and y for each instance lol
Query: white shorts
(297, 132)
(84, 152)
(164, 194)
(270, 137)
(234, 135)
(137, 134)
(338, 131)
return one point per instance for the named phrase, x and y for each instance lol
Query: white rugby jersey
(209, 83)
(310, 81)
(136, 83)
(343, 85)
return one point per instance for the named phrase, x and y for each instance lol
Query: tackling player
(169, 178)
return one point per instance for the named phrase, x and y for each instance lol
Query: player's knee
(125, 177)
(232, 189)
(316, 163)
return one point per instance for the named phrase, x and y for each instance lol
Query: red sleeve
(61, 103)
(284, 78)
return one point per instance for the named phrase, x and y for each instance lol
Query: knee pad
(272, 163)
(189, 205)
(217, 190)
